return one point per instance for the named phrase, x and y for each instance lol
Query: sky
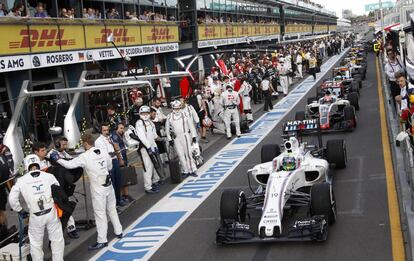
(357, 6)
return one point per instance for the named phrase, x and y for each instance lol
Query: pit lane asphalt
(362, 230)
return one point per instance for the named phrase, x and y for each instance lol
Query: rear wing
(299, 128)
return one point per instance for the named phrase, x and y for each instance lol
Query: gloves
(171, 143)
(194, 140)
(23, 214)
(54, 156)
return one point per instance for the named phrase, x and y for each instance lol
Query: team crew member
(40, 150)
(147, 134)
(61, 144)
(181, 133)
(104, 142)
(312, 66)
(190, 112)
(283, 76)
(230, 101)
(133, 112)
(244, 92)
(118, 140)
(267, 90)
(35, 187)
(6, 170)
(97, 164)
(299, 60)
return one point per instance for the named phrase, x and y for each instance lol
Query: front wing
(311, 229)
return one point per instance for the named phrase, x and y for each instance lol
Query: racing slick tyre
(354, 87)
(336, 153)
(323, 201)
(300, 116)
(349, 115)
(354, 100)
(312, 99)
(269, 152)
(233, 205)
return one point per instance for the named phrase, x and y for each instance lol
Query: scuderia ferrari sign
(42, 60)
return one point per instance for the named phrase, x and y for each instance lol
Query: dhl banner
(228, 31)
(31, 38)
(206, 32)
(243, 30)
(41, 60)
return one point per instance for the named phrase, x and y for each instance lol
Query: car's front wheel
(233, 206)
(323, 201)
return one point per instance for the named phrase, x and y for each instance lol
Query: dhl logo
(120, 36)
(210, 32)
(41, 38)
(244, 30)
(267, 30)
(158, 34)
(257, 30)
(229, 31)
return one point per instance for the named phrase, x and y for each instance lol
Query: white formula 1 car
(294, 182)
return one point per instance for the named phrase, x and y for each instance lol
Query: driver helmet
(328, 96)
(229, 87)
(176, 106)
(144, 112)
(288, 163)
(30, 160)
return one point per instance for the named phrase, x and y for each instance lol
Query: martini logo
(120, 36)
(210, 32)
(42, 38)
(162, 33)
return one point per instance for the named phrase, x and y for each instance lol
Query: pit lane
(362, 230)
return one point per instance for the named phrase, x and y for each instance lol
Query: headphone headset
(57, 143)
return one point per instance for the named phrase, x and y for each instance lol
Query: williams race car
(294, 200)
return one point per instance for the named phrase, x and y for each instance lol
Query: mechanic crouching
(36, 189)
(97, 164)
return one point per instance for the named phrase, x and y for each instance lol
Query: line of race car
(291, 196)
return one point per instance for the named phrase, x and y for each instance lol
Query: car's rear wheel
(233, 206)
(354, 100)
(323, 201)
(354, 87)
(300, 115)
(349, 115)
(336, 153)
(269, 152)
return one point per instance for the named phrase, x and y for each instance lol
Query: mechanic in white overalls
(147, 134)
(35, 187)
(283, 76)
(217, 114)
(97, 164)
(244, 92)
(230, 101)
(190, 112)
(181, 133)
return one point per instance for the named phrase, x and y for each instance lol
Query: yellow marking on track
(398, 250)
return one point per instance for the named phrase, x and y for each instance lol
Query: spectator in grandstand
(84, 13)
(3, 11)
(113, 14)
(64, 13)
(91, 14)
(17, 11)
(40, 12)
